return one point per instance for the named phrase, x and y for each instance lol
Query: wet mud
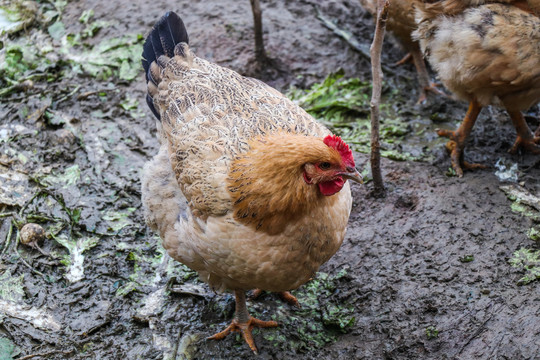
(424, 272)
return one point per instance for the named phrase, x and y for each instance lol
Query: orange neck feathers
(267, 183)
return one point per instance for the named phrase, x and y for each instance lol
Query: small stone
(32, 234)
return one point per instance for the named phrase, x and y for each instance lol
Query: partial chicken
(485, 53)
(247, 188)
(401, 23)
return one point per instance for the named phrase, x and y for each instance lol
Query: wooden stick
(375, 51)
(361, 48)
(260, 54)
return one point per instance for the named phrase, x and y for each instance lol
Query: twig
(521, 195)
(65, 97)
(87, 94)
(26, 204)
(260, 54)
(179, 337)
(8, 238)
(30, 266)
(22, 84)
(376, 48)
(24, 261)
(41, 218)
(362, 49)
(45, 355)
(479, 330)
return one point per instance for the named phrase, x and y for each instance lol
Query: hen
(485, 52)
(401, 23)
(247, 188)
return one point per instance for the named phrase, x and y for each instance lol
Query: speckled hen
(485, 52)
(247, 188)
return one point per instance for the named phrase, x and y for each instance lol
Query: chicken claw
(525, 138)
(456, 156)
(459, 137)
(245, 329)
(528, 144)
(243, 323)
(289, 298)
(284, 295)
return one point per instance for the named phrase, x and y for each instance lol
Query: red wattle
(328, 188)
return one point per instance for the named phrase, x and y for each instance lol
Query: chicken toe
(525, 138)
(284, 295)
(458, 138)
(243, 323)
(245, 329)
(289, 298)
(456, 156)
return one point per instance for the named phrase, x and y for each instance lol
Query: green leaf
(127, 71)
(344, 105)
(111, 57)
(8, 350)
(117, 220)
(69, 177)
(86, 16)
(75, 260)
(75, 215)
(11, 287)
(527, 260)
(57, 30)
(534, 234)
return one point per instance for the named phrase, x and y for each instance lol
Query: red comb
(342, 148)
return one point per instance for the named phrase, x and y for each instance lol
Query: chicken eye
(325, 165)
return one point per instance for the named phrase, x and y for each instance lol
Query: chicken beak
(353, 175)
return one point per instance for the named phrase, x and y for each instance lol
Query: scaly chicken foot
(289, 298)
(458, 138)
(243, 323)
(284, 295)
(525, 138)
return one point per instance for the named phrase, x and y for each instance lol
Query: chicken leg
(525, 137)
(284, 295)
(458, 138)
(243, 322)
(423, 76)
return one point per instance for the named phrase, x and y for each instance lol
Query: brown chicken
(401, 23)
(247, 188)
(485, 53)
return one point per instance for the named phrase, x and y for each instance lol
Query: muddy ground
(424, 273)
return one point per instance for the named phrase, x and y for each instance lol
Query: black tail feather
(165, 34)
(150, 103)
(172, 32)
